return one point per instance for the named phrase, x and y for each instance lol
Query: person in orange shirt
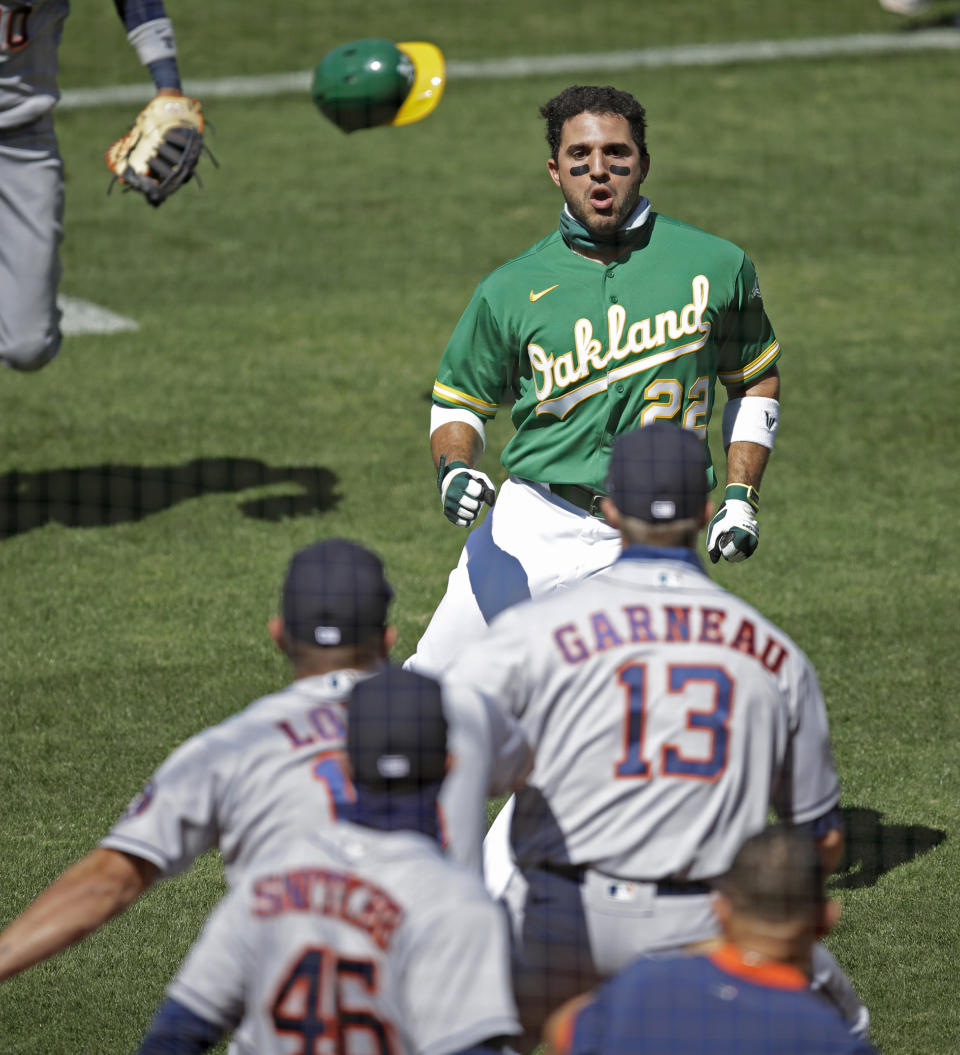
(747, 993)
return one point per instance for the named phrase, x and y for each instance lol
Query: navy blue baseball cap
(397, 732)
(335, 593)
(658, 473)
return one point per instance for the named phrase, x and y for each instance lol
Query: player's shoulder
(645, 973)
(529, 619)
(244, 729)
(437, 893)
(682, 982)
(781, 650)
(678, 578)
(407, 867)
(673, 598)
(685, 235)
(750, 611)
(532, 259)
(330, 689)
(421, 875)
(303, 849)
(648, 986)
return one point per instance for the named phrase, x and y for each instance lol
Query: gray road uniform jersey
(29, 40)
(275, 771)
(667, 716)
(358, 940)
(31, 183)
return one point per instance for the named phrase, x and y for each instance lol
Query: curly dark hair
(588, 98)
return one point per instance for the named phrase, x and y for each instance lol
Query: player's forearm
(747, 460)
(90, 892)
(150, 33)
(176, 1030)
(458, 441)
(746, 463)
(830, 845)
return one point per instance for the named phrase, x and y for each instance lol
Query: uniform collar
(658, 553)
(731, 959)
(412, 811)
(628, 236)
(341, 681)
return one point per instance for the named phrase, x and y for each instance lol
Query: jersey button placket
(616, 389)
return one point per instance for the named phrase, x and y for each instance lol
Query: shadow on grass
(100, 495)
(950, 19)
(873, 847)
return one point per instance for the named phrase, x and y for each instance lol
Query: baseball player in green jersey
(619, 318)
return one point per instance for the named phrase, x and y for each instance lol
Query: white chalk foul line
(689, 55)
(83, 316)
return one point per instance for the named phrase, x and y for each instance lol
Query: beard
(603, 226)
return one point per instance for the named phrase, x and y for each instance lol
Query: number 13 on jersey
(712, 723)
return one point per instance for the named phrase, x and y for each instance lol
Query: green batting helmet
(375, 82)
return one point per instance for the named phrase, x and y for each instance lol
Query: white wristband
(153, 41)
(751, 419)
(442, 415)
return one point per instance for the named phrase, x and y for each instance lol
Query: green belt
(580, 496)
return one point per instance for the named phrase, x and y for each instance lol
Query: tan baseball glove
(160, 152)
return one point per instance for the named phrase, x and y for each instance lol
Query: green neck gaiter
(629, 234)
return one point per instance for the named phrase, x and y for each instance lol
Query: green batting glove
(463, 491)
(733, 533)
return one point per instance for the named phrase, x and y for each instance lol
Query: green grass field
(291, 318)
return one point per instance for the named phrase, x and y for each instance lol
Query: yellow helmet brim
(428, 82)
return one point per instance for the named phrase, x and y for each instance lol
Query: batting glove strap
(733, 533)
(463, 491)
(743, 493)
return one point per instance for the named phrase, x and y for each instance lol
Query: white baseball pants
(530, 543)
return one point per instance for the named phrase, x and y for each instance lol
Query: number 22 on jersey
(681, 679)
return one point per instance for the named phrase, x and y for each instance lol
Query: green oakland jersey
(591, 350)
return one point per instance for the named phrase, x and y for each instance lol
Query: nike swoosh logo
(534, 297)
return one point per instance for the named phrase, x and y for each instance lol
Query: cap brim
(428, 82)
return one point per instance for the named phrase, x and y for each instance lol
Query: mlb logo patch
(617, 891)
